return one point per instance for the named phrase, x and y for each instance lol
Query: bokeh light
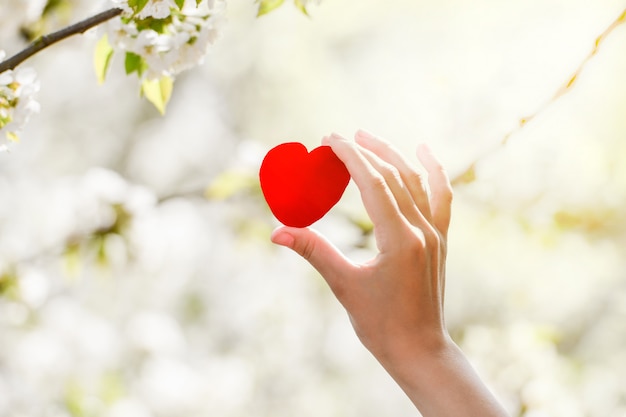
(136, 274)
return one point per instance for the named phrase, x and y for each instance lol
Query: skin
(395, 300)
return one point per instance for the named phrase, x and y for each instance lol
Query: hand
(395, 300)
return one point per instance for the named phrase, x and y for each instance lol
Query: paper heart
(300, 187)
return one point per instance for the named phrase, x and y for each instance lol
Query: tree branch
(469, 175)
(45, 41)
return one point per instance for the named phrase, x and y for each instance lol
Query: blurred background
(136, 273)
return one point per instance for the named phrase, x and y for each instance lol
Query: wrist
(395, 352)
(437, 377)
(403, 358)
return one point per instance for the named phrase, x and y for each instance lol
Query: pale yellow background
(194, 313)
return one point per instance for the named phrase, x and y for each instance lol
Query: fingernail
(336, 136)
(283, 239)
(423, 148)
(365, 134)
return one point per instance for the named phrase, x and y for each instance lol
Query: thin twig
(468, 175)
(44, 41)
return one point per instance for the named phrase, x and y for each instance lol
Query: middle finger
(397, 186)
(411, 178)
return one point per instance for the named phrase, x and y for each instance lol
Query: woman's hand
(395, 300)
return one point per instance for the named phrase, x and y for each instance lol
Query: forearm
(442, 383)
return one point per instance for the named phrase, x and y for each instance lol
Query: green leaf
(142, 4)
(158, 92)
(5, 120)
(301, 6)
(112, 387)
(158, 25)
(134, 63)
(74, 397)
(180, 4)
(102, 58)
(72, 259)
(51, 7)
(266, 6)
(9, 285)
(137, 5)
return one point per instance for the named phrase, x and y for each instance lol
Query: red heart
(300, 187)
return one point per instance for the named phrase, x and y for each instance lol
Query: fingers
(334, 267)
(410, 177)
(378, 199)
(387, 160)
(397, 186)
(440, 189)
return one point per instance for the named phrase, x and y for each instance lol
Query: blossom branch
(45, 41)
(468, 175)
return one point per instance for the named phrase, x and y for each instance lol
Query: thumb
(316, 249)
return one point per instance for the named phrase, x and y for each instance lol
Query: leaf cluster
(266, 6)
(138, 5)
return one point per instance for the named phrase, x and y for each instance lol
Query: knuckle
(415, 178)
(378, 183)
(415, 246)
(422, 239)
(306, 249)
(390, 172)
(414, 241)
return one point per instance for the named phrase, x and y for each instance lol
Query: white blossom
(158, 9)
(17, 90)
(181, 45)
(120, 34)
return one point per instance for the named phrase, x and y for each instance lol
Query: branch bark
(469, 175)
(45, 41)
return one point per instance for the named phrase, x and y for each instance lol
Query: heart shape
(300, 187)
